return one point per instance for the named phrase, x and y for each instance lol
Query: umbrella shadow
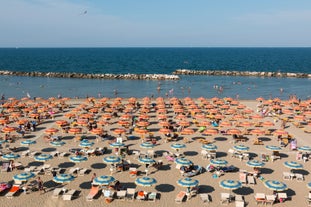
(67, 137)
(128, 185)
(221, 154)
(266, 170)
(220, 139)
(302, 171)
(28, 136)
(290, 192)
(244, 191)
(166, 167)
(132, 137)
(66, 164)
(86, 185)
(165, 188)
(283, 155)
(98, 165)
(35, 163)
(206, 189)
(51, 184)
(49, 149)
(21, 149)
(264, 139)
(160, 152)
(190, 153)
(252, 155)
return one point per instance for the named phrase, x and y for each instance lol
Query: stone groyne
(240, 73)
(92, 76)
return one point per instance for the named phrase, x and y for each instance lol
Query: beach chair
(180, 197)
(224, 198)
(15, 188)
(141, 195)
(286, 176)
(204, 154)
(251, 180)
(242, 177)
(5, 166)
(25, 153)
(308, 199)
(83, 171)
(152, 196)
(205, 197)
(121, 194)
(270, 199)
(130, 193)
(69, 195)
(260, 198)
(239, 201)
(93, 192)
(58, 191)
(133, 171)
(73, 170)
(299, 177)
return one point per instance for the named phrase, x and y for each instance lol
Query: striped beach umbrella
(178, 146)
(86, 143)
(43, 157)
(57, 143)
(241, 148)
(103, 180)
(145, 181)
(219, 162)
(63, 178)
(147, 145)
(112, 159)
(10, 156)
(28, 142)
(275, 185)
(116, 145)
(255, 163)
(304, 149)
(146, 160)
(209, 147)
(230, 184)
(24, 176)
(273, 148)
(293, 165)
(188, 183)
(78, 158)
(183, 161)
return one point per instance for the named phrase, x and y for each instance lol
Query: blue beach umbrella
(304, 149)
(309, 185)
(219, 162)
(145, 181)
(275, 185)
(255, 163)
(146, 160)
(147, 145)
(57, 143)
(43, 157)
(116, 145)
(63, 178)
(293, 165)
(209, 147)
(86, 143)
(28, 142)
(188, 183)
(10, 156)
(178, 146)
(230, 184)
(241, 148)
(273, 148)
(24, 176)
(183, 161)
(112, 159)
(103, 180)
(78, 158)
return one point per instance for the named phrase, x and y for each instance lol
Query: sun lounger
(286, 176)
(58, 191)
(130, 193)
(93, 192)
(299, 177)
(152, 196)
(242, 177)
(205, 197)
(260, 198)
(133, 171)
(225, 198)
(180, 197)
(69, 195)
(141, 195)
(121, 194)
(25, 153)
(13, 190)
(239, 201)
(83, 171)
(73, 170)
(251, 180)
(270, 199)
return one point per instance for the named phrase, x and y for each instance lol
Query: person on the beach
(40, 185)
(93, 177)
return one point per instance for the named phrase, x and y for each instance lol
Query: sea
(156, 61)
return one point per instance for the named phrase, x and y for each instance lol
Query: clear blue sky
(155, 23)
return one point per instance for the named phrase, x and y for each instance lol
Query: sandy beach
(166, 175)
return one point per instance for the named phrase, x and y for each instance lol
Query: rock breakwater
(240, 73)
(92, 76)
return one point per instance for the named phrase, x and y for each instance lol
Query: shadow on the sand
(66, 164)
(206, 189)
(221, 154)
(190, 153)
(266, 170)
(85, 185)
(35, 163)
(244, 191)
(290, 192)
(165, 188)
(98, 166)
(48, 149)
(220, 139)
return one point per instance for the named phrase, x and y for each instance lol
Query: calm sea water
(156, 60)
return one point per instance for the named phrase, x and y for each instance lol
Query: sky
(158, 23)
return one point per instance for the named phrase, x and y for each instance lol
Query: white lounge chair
(69, 195)
(130, 193)
(251, 180)
(205, 197)
(58, 191)
(14, 189)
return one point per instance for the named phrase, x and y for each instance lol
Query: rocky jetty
(240, 73)
(92, 76)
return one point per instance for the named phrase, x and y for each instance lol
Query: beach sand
(167, 175)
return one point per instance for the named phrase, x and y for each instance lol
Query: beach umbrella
(111, 159)
(103, 180)
(188, 183)
(10, 156)
(145, 181)
(63, 178)
(209, 147)
(116, 144)
(309, 185)
(24, 176)
(178, 146)
(61, 122)
(43, 157)
(86, 143)
(147, 145)
(293, 165)
(146, 160)
(75, 130)
(280, 132)
(8, 129)
(234, 131)
(210, 131)
(241, 148)
(255, 163)
(51, 130)
(273, 148)
(230, 184)
(275, 185)
(119, 131)
(304, 149)
(219, 162)
(57, 143)
(183, 161)
(78, 158)
(28, 142)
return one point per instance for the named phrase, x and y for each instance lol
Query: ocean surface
(156, 60)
